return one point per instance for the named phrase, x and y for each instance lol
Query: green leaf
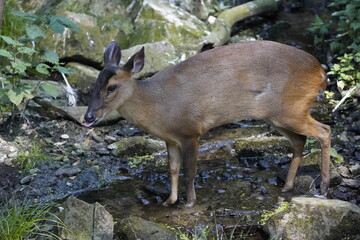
(49, 56)
(341, 84)
(64, 70)
(9, 40)
(6, 54)
(337, 157)
(49, 88)
(58, 24)
(336, 67)
(355, 25)
(26, 50)
(33, 31)
(42, 68)
(25, 15)
(19, 66)
(15, 97)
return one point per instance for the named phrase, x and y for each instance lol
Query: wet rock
(222, 149)
(143, 200)
(315, 218)
(137, 146)
(304, 185)
(249, 147)
(134, 228)
(161, 192)
(86, 221)
(353, 183)
(67, 171)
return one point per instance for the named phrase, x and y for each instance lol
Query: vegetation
(27, 160)
(26, 56)
(26, 221)
(341, 34)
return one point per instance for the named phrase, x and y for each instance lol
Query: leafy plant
(341, 34)
(346, 71)
(27, 55)
(25, 220)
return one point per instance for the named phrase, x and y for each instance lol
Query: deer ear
(136, 62)
(112, 54)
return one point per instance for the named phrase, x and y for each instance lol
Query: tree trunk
(2, 7)
(222, 29)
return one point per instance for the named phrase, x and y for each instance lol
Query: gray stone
(86, 221)
(135, 228)
(315, 218)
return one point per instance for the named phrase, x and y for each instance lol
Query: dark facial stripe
(103, 78)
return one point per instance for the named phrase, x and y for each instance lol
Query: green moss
(283, 207)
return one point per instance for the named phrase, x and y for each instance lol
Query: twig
(344, 98)
(70, 92)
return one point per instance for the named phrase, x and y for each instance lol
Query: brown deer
(257, 80)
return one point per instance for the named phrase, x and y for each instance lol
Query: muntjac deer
(257, 80)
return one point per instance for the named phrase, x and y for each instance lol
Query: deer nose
(89, 117)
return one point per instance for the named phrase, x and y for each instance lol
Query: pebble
(344, 171)
(112, 146)
(221, 191)
(67, 171)
(110, 139)
(355, 169)
(64, 136)
(264, 190)
(353, 183)
(103, 152)
(2, 157)
(26, 179)
(12, 149)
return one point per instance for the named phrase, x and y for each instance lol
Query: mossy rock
(134, 228)
(157, 21)
(137, 146)
(314, 218)
(251, 147)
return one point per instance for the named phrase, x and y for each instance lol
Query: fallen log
(226, 19)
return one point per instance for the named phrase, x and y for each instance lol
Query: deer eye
(111, 89)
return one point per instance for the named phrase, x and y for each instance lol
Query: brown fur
(260, 80)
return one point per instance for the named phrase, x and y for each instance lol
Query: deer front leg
(174, 156)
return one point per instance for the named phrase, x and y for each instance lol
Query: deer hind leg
(189, 152)
(321, 132)
(297, 142)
